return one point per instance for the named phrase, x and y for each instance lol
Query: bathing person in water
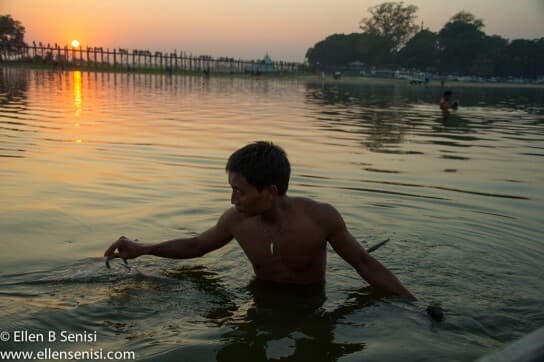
(284, 237)
(446, 103)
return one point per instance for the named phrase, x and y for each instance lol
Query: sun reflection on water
(78, 103)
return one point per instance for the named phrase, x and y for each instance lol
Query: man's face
(247, 198)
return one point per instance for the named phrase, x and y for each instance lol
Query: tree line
(12, 34)
(391, 38)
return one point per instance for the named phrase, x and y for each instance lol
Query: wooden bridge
(140, 60)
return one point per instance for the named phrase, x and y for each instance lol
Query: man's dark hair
(448, 93)
(262, 164)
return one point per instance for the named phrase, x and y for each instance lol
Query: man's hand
(125, 248)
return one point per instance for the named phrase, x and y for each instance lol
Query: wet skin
(283, 237)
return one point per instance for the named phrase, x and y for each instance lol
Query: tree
(492, 51)
(523, 58)
(335, 50)
(11, 34)
(340, 49)
(421, 51)
(461, 41)
(461, 46)
(467, 18)
(393, 21)
(372, 49)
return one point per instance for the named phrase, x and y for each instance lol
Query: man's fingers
(110, 251)
(113, 256)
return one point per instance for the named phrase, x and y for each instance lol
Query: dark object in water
(436, 312)
(455, 105)
(374, 247)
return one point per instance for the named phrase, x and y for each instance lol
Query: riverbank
(448, 85)
(140, 70)
(309, 77)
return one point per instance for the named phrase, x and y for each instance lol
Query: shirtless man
(446, 103)
(284, 237)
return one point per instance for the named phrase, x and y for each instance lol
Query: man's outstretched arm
(352, 252)
(212, 239)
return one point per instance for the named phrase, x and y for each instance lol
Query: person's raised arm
(352, 252)
(185, 248)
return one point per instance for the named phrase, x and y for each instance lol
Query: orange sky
(242, 28)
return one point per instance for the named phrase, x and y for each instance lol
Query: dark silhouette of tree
(340, 49)
(492, 50)
(373, 49)
(335, 50)
(393, 21)
(391, 39)
(12, 34)
(523, 58)
(421, 51)
(467, 18)
(461, 41)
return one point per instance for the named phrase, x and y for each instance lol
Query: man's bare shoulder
(321, 212)
(230, 218)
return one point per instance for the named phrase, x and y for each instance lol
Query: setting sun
(75, 43)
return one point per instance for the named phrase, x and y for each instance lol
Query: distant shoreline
(137, 70)
(432, 84)
(348, 80)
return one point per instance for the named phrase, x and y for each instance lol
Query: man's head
(447, 94)
(258, 172)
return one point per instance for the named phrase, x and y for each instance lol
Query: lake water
(88, 157)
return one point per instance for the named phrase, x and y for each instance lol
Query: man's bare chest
(295, 245)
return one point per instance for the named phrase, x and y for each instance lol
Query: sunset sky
(242, 28)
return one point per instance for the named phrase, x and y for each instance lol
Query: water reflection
(388, 93)
(453, 124)
(78, 101)
(275, 321)
(77, 92)
(152, 166)
(13, 105)
(387, 114)
(372, 112)
(287, 323)
(13, 85)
